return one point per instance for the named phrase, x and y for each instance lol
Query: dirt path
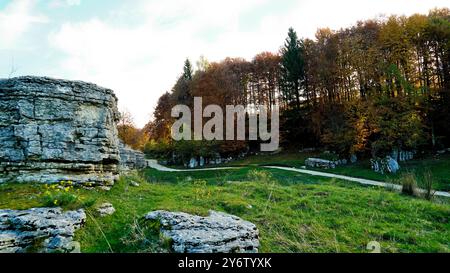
(154, 164)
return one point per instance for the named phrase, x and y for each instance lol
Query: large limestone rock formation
(53, 130)
(217, 233)
(39, 230)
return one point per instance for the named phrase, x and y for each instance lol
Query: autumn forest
(379, 85)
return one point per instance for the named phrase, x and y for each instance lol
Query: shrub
(159, 150)
(59, 195)
(428, 186)
(201, 190)
(409, 184)
(234, 206)
(259, 176)
(329, 156)
(57, 199)
(145, 235)
(88, 203)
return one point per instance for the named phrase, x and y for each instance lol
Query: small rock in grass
(105, 188)
(134, 184)
(105, 209)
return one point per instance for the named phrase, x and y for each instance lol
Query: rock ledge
(42, 230)
(217, 233)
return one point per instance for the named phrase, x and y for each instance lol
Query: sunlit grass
(294, 212)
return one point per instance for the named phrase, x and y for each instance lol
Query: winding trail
(155, 165)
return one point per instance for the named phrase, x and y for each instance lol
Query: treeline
(379, 85)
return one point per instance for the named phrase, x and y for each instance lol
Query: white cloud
(15, 20)
(142, 61)
(64, 3)
(73, 2)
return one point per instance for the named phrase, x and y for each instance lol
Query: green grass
(218, 176)
(438, 166)
(294, 212)
(282, 159)
(288, 159)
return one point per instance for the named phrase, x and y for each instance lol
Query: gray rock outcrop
(321, 163)
(193, 163)
(217, 233)
(131, 159)
(400, 155)
(105, 209)
(385, 165)
(41, 230)
(53, 130)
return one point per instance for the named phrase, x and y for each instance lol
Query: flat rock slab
(217, 233)
(105, 209)
(42, 230)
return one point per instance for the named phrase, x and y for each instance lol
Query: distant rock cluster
(324, 164)
(40, 230)
(217, 233)
(385, 165)
(57, 130)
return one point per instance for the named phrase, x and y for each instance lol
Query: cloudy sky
(138, 47)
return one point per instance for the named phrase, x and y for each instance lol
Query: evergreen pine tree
(293, 67)
(187, 74)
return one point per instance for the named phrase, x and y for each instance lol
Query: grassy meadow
(294, 212)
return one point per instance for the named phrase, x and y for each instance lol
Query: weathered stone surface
(105, 209)
(321, 163)
(39, 230)
(400, 155)
(353, 159)
(392, 165)
(217, 233)
(53, 130)
(193, 163)
(131, 159)
(385, 165)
